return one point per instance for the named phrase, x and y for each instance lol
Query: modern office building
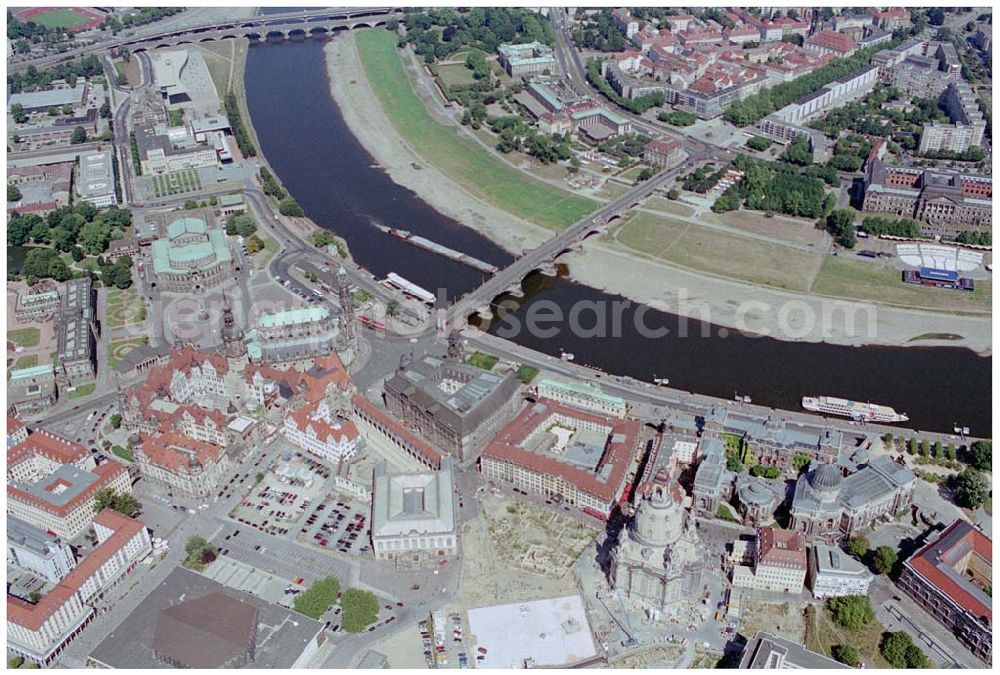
(38, 551)
(949, 578)
(456, 406)
(833, 573)
(771, 652)
(95, 180)
(413, 514)
(967, 123)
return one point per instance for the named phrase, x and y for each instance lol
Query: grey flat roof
(282, 635)
(766, 651)
(48, 97)
(61, 486)
(23, 535)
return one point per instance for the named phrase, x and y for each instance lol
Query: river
(323, 166)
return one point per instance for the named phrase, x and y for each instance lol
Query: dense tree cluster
(440, 32)
(776, 187)
(852, 611)
(677, 118)
(972, 488)
(983, 238)
(600, 32)
(798, 152)
(67, 227)
(123, 502)
(759, 143)
(25, 32)
(635, 105)
(702, 179)
(864, 116)
(271, 185)
(318, 598)
(32, 78)
(840, 224)
(240, 224)
(117, 274)
(44, 263)
(246, 145)
(971, 154)
(753, 108)
(899, 650)
(904, 227)
(360, 609)
(290, 207)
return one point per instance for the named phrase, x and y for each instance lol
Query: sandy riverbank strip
(723, 302)
(364, 117)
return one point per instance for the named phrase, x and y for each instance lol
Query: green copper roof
(28, 373)
(184, 226)
(581, 388)
(172, 258)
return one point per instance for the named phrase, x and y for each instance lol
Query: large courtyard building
(833, 573)
(77, 330)
(950, 578)
(31, 390)
(456, 406)
(52, 483)
(657, 559)
(827, 505)
(413, 514)
(192, 257)
(573, 457)
(530, 58)
(946, 203)
(95, 181)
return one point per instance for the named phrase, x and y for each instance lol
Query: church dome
(825, 478)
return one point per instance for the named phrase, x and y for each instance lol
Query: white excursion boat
(864, 412)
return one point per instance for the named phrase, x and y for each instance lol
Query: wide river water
(309, 146)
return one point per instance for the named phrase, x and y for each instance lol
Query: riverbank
(722, 301)
(364, 117)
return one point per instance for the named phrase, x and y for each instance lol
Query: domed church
(657, 558)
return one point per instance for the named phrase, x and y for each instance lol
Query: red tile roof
(32, 616)
(303, 419)
(829, 39)
(505, 447)
(783, 548)
(168, 451)
(47, 445)
(13, 425)
(928, 561)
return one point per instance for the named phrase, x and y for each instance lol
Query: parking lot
(339, 524)
(443, 637)
(283, 494)
(244, 577)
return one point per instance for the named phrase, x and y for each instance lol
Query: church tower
(347, 323)
(233, 345)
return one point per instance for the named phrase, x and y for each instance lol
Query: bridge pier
(485, 312)
(516, 291)
(548, 269)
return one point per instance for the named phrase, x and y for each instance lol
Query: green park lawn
(481, 360)
(459, 157)
(24, 337)
(28, 361)
(83, 390)
(59, 18)
(844, 277)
